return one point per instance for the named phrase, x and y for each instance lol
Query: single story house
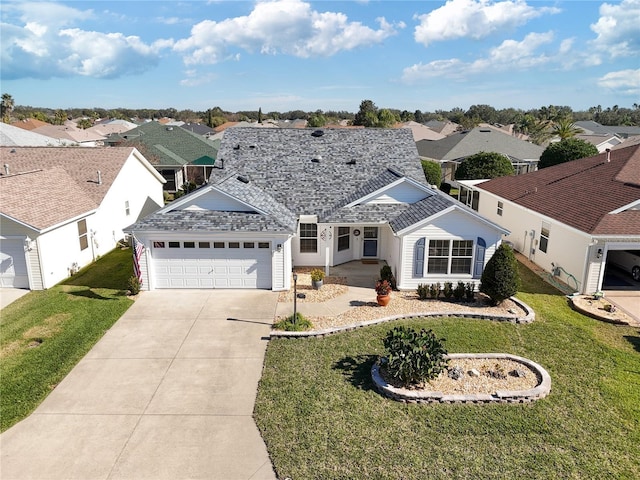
(568, 217)
(280, 198)
(62, 207)
(178, 154)
(453, 150)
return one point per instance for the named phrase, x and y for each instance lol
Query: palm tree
(7, 107)
(565, 128)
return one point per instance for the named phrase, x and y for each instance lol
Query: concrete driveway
(167, 393)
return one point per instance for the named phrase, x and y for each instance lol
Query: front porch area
(359, 273)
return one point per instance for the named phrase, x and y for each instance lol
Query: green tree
(59, 117)
(418, 117)
(500, 279)
(317, 120)
(484, 165)
(432, 172)
(6, 107)
(386, 118)
(367, 115)
(84, 123)
(259, 115)
(565, 151)
(565, 128)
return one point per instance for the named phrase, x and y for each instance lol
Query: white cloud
(195, 79)
(626, 82)
(618, 29)
(288, 27)
(510, 55)
(474, 19)
(48, 45)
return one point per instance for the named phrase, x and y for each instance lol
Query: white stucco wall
(568, 248)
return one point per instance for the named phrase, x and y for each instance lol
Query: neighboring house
(566, 218)
(84, 138)
(178, 154)
(601, 142)
(29, 123)
(594, 128)
(11, 136)
(113, 126)
(445, 128)
(199, 129)
(452, 150)
(422, 132)
(280, 198)
(61, 208)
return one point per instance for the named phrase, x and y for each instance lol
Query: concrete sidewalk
(167, 393)
(355, 296)
(10, 295)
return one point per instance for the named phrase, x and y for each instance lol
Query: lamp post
(295, 298)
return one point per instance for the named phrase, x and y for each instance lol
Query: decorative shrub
(423, 291)
(387, 274)
(301, 323)
(447, 291)
(133, 285)
(434, 290)
(317, 274)
(500, 279)
(458, 292)
(469, 292)
(383, 287)
(414, 357)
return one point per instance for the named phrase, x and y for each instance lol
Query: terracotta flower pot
(383, 300)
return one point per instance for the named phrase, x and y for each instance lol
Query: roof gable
(69, 176)
(581, 193)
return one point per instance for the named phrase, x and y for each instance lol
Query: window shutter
(418, 258)
(478, 267)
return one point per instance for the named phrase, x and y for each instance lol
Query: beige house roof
(30, 123)
(422, 132)
(70, 133)
(46, 186)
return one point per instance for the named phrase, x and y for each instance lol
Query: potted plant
(383, 291)
(317, 278)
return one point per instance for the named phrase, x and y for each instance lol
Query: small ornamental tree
(484, 165)
(566, 151)
(500, 279)
(414, 357)
(432, 172)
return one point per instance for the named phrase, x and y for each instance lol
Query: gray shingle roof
(209, 221)
(464, 144)
(279, 161)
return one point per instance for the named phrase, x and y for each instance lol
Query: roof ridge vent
(242, 179)
(317, 133)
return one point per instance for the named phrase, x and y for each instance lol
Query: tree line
(529, 122)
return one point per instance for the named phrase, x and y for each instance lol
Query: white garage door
(13, 267)
(194, 264)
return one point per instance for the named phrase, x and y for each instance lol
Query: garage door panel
(212, 268)
(13, 265)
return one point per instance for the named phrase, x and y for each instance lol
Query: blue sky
(293, 54)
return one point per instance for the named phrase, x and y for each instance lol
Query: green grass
(321, 418)
(45, 333)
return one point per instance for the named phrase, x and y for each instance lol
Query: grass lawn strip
(321, 417)
(45, 333)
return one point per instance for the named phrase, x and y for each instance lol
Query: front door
(370, 242)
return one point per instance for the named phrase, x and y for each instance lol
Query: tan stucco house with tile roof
(569, 217)
(61, 208)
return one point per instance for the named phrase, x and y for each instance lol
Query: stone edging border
(528, 318)
(500, 396)
(595, 316)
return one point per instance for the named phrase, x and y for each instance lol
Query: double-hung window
(500, 208)
(544, 237)
(344, 234)
(82, 234)
(450, 257)
(308, 238)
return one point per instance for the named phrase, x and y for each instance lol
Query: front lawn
(321, 418)
(45, 333)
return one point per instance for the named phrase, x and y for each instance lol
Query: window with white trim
(544, 237)
(450, 256)
(308, 238)
(344, 235)
(500, 208)
(82, 234)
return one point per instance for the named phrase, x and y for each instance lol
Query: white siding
(454, 225)
(313, 259)
(401, 193)
(216, 201)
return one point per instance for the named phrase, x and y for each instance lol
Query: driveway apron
(167, 393)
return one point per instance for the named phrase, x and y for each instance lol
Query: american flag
(138, 248)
